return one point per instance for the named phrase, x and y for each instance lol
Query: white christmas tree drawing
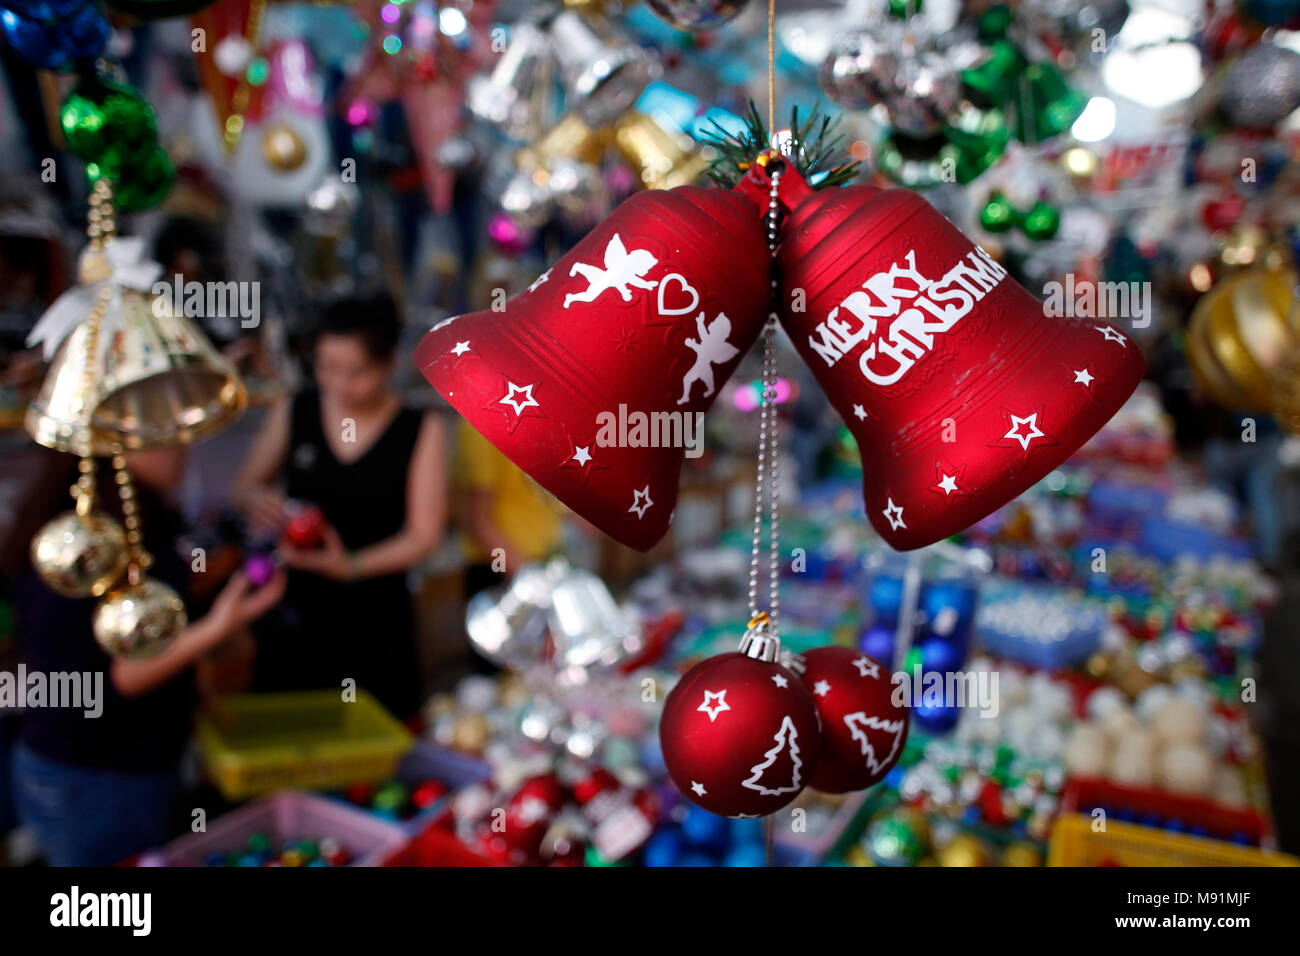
(859, 723)
(787, 739)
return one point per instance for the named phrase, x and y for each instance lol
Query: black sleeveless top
(327, 631)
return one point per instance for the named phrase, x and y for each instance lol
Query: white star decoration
(867, 667)
(721, 704)
(822, 688)
(698, 788)
(1110, 335)
(461, 348)
(780, 681)
(641, 502)
(859, 413)
(1082, 377)
(1034, 431)
(582, 455)
(894, 514)
(949, 484)
(520, 404)
(539, 280)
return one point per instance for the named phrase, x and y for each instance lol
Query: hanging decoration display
(230, 69)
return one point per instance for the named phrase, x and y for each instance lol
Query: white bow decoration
(129, 270)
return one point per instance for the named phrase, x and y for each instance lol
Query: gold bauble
(283, 148)
(139, 620)
(470, 733)
(1022, 854)
(964, 850)
(80, 557)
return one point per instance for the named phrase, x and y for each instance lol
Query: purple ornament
(259, 569)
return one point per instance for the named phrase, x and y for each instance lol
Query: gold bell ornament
(126, 366)
(84, 553)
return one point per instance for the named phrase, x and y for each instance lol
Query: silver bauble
(859, 72)
(927, 91)
(1262, 87)
(139, 620)
(80, 557)
(696, 14)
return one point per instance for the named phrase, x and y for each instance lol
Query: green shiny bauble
(998, 215)
(903, 9)
(142, 185)
(994, 23)
(1046, 104)
(1041, 222)
(898, 837)
(108, 124)
(992, 82)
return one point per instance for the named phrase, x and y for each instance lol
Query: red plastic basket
(1221, 822)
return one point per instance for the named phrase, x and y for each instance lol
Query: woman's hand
(264, 508)
(330, 560)
(239, 604)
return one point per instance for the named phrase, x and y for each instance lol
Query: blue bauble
(885, 594)
(938, 654)
(664, 848)
(934, 719)
(747, 854)
(877, 642)
(694, 858)
(746, 831)
(942, 600)
(32, 41)
(85, 33)
(706, 831)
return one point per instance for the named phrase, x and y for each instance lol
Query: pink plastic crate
(287, 815)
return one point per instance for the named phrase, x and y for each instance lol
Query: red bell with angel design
(959, 388)
(594, 381)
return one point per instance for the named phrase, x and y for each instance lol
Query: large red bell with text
(960, 387)
(595, 379)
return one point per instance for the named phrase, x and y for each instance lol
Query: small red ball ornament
(739, 732)
(305, 528)
(862, 731)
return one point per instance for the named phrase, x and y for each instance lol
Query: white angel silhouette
(622, 269)
(712, 349)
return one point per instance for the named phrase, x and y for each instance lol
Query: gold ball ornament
(80, 556)
(965, 850)
(471, 733)
(139, 620)
(1022, 854)
(283, 148)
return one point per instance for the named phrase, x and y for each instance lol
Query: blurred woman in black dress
(376, 471)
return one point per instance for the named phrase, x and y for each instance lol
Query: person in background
(509, 520)
(376, 471)
(96, 790)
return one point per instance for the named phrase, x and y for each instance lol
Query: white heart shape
(685, 286)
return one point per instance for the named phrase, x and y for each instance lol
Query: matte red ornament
(739, 735)
(862, 731)
(583, 378)
(960, 390)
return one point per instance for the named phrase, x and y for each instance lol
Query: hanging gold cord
(771, 68)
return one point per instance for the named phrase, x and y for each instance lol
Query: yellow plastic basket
(1074, 843)
(255, 743)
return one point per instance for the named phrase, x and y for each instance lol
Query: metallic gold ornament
(965, 850)
(283, 148)
(80, 556)
(1022, 854)
(664, 159)
(139, 620)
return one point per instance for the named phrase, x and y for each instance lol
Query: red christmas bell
(595, 379)
(960, 390)
(739, 731)
(862, 731)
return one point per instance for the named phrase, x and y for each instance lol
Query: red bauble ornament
(960, 390)
(649, 314)
(305, 528)
(739, 735)
(529, 813)
(862, 731)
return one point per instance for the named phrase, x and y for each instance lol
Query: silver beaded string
(768, 467)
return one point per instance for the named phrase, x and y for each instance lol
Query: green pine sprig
(815, 148)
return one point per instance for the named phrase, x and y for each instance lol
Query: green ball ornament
(994, 23)
(108, 124)
(1042, 221)
(998, 215)
(143, 185)
(898, 837)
